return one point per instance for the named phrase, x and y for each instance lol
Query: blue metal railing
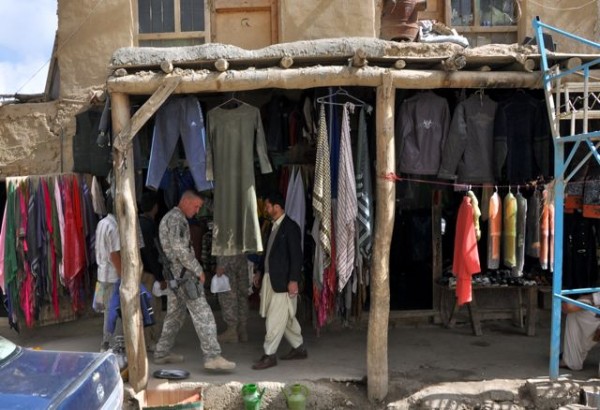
(560, 166)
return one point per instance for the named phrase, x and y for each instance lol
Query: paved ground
(419, 355)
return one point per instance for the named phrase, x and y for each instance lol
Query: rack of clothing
(46, 244)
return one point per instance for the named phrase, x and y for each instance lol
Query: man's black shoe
(296, 354)
(265, 362)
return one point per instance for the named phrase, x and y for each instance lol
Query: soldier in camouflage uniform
(234, 304)
(174, 235)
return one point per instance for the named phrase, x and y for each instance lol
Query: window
(484, 21)
(166, 23)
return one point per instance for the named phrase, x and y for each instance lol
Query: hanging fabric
(295, 202)
(509, 233)
(322, 190)
(345, 222)
(476, 213)
(534, 215)
(517, 270)
(364, 191)
(233, 137)
(466, 257)
(494, 231)
(545, 231)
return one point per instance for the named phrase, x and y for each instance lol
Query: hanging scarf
(322, 190)
(364, 192)
(345, 223)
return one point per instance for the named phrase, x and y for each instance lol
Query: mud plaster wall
(313, 19)
(89, 32)
(579, 17)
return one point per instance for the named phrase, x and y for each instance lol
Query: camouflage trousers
(234, 304)
(202, 318)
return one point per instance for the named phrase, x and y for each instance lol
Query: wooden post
(131, 273)
(359, 59)
(286, 62)
(377, 338)
(167, 66)
(221, 65)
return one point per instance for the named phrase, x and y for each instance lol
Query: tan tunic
(232, 136)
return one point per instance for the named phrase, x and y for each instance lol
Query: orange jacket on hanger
(466, 257)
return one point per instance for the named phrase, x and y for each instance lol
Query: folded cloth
(220, 284)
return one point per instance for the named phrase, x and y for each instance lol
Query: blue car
(37, 379)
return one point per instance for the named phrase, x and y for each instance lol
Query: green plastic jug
(252, 396)
(296, 399)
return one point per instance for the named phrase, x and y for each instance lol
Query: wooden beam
(221, 65)
(377, 337)
(359, 59)
(310, 77)
(286, 62)
(167, 66)
(131, 267)
(400, 64)
(131, 128)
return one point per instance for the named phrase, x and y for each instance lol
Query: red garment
(466, 257)
(53, 272)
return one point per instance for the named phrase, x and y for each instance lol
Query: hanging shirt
(468, 154)
(466, 257)
(345, 223)
(494, 231)
(421, 130)
(509, 240)
(232, 137)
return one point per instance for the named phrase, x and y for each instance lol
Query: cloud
(27, 30)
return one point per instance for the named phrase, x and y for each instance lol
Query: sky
(27, 30)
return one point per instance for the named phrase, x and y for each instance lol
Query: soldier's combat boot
(219, 363)
(228, 336)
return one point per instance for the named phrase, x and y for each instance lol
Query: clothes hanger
(342, 93)
(230, 100)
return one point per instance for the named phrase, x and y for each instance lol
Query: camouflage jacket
(174, 236)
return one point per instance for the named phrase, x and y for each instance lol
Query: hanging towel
(466, 257)
(494, 231)
(345, 223)
(509, 240)
(322, 189)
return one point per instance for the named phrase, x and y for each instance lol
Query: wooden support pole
(167, 66)
(131, 267)
(286, 62)
(360, 58)
(454, 63)
(377, 338)
(221, 65)
(329, 76)
(571, 63)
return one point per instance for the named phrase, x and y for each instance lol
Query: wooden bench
(525, 305)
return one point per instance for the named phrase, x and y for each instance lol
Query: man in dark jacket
(279, 294)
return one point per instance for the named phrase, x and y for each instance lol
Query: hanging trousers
(179, 117)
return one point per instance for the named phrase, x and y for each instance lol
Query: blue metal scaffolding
(570, 96)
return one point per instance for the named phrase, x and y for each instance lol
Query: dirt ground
(425, 361)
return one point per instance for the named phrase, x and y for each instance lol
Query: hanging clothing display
(534, 213)
(421, 130)
(322, 190)
(468, 155)
(509, 231)
(521, 232)
(466, 257)
(364, 190)
(494, 231)
(476, 214)
(545, 231)
(521, 139)
(233, 135)
(345, 222)
(35, 239)
(179, 117)
(295, 202)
